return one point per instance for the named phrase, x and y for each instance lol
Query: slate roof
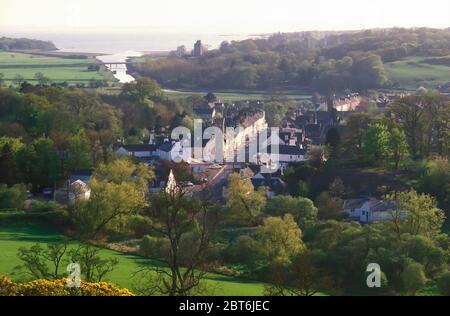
(83, 175)
(139, 147)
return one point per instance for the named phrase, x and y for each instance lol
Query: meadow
(12, 237)
(414, 72)
(233, 96)
(57, 69)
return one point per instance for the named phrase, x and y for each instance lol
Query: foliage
(118, 191)
(344, 61)
(300, 278)
(243, 202)
(92, 266)
(415, 214)
(376, 143)
(79, 149)
(12, 197)
(187, 226)
(330, 207)
(49, 263)
(436, 181)
(444, 284)
(281, 237)
(59, 288)
(302, 209)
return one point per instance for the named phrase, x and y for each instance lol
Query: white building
(368, 210)
(137, 150)
(78, 191)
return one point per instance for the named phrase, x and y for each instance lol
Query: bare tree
(188, 225)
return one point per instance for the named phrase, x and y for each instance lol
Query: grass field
(14, 237)
(414, 72)
(56, 69)
(232, 96)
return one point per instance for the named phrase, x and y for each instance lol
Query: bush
(40, 206)
(443, 284)
(7, 287)
(155, 247)
(59, 288)
(12, 197)
(140, 225)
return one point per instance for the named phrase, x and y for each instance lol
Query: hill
(7, 43)
(320, 61)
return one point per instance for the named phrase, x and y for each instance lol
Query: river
(119, 71)
(118, 46)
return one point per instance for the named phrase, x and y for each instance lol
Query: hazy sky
(226, 16)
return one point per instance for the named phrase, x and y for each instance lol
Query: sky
(214, 16)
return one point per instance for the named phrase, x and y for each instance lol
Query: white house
(286, 154)
(368, 210)
(78, 190)
(137, 150)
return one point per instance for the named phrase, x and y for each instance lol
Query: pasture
(414, 72)
(13, 237)
(57, 69)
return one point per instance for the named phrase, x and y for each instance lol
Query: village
(212, 160)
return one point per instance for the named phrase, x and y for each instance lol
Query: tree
(49, 263)
(92, 266)
(18, 80)
(357, 125)
(188, 224)
(12, 197)
(444, 284)
(8, 151)
(281, 237)
(376, 143)
(41, 79)
(333, 140)
(435, 180)
(337, 188)
(2, 79)
(409, 113)
(43, 263)
(243, 202)
(38, 163)
(302, 209)
(413, 277)
(329, 207)
(210, 97)
(118, 191)
(79, 149)
(415, 214)
(301, 278)
(248, 251)
(317, 156)
(398, 148)
(142, 89)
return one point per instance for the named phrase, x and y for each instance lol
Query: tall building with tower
(199, 49)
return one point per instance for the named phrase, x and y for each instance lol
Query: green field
(413, 72)
(14, 237)
(232, 96)
(57, 69)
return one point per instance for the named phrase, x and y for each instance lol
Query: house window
(363, 212)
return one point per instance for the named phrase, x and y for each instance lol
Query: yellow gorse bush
(59, 288)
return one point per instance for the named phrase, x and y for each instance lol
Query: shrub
(12, 197)
(140, 225)
(443, 284)
(59, 288)
(7, 287)
(40, 206)
(155, 247)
